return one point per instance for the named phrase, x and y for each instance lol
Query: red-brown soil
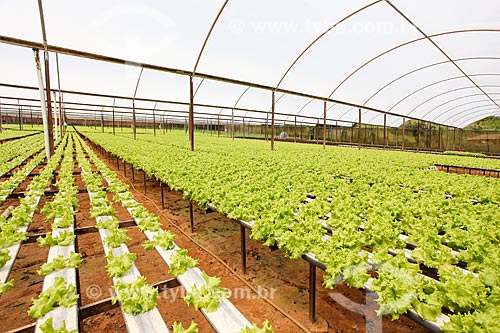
(216, 243)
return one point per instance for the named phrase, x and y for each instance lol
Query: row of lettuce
(10, 133)
(369, 198)
(136, 297)
(14, 226)
(14, 153)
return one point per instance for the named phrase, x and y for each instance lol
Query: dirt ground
(216, 243)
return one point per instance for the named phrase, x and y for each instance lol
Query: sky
(260, 41)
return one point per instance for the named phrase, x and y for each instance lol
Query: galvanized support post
(403, 135)
(385, 130)
(243, 127)
(338, 137)
(191, 215)
(429, 126)
(162, 195)
(439, 137)
(312, 293)
(113, 115)
(460, 139)
(134, 124)
(359, 128)
(133, 120)
(267, 119)
(56, 117)
(154, 121)
(232, 124)
(191, 113)
(295, 130)
(454, 138)
(272, 122)
(46, 120)
(20, 115)
(324, 125)
(49, 102)
(102, 122)
(418, 135)
(218, 126)
(447, 138)
(243, 249)
(61, 118)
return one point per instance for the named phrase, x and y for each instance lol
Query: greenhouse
(263, 166)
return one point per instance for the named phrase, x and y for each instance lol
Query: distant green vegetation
(488, 123)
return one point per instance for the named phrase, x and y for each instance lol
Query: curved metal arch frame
(437, 82)
(438, 116)
(443, 93)
(440, 50)
(405, 44)
(483, 114)
(460, 113)
(451, 101)
(412, 93)
(454, 115)
(208, 36)
(314, 42)
(345, 18)
(425, 67)
(475, 109)
(461, 105)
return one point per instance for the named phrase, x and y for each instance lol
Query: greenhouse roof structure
(438, 61)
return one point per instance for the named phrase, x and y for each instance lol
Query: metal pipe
(385, 130)
(20, 116)
(403, 138)
(56, 117)
(49, 102)
(442, 52)
(430, 135)
(113, 121)
(154, 121)
(295, 130)
(439, 137)
(272, 122)
(134, 130)
(191, 114)
(324, 125)
(418, 135)
(243, 249)
(232, 124)
(191, 215)
(359, 128)
(312, 293)
(102, 122)
(162, 195)
(20, 42)
(61, 125)
(218, 126)
(46, 129)
(47, 79)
